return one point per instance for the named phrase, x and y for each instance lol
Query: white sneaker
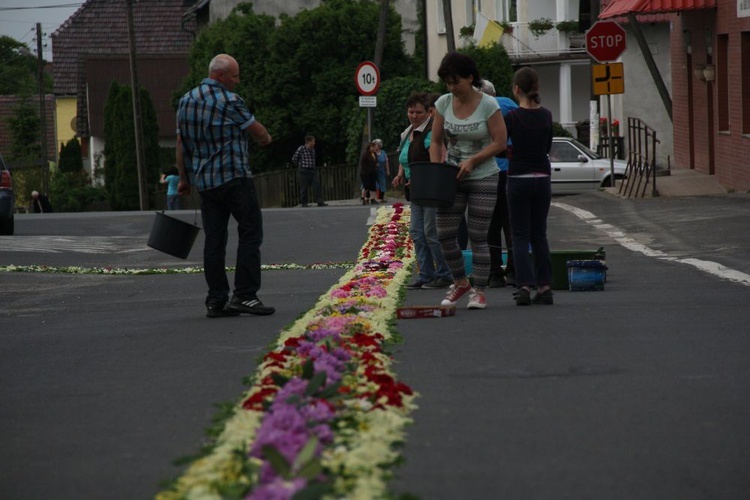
(477, 300)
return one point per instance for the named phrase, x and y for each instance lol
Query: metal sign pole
(369, 125)
(611, 141)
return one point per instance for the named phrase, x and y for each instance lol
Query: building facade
(710, 83)
(91, 49)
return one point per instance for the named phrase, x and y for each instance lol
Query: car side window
(563, 151)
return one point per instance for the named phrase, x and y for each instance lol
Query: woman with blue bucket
(471, 123)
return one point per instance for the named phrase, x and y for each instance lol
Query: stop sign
(605, 41)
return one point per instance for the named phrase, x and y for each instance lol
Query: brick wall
(698, 142)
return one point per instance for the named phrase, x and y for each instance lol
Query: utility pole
(42, 111)
(378, 60)
(448, 16)
(137, 118)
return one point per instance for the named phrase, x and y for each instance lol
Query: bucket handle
(195, 218)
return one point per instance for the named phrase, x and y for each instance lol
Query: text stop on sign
(605, 41)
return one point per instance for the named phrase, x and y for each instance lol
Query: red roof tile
(617, 8)
(100, 27)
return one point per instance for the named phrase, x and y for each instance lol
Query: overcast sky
(21, 23)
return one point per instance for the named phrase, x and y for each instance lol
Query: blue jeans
(529, 200)
(309, 177)
(423, 231)
(381, 182)
(238, 199)
(173, 202)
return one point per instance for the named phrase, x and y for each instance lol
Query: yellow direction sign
(608, 78)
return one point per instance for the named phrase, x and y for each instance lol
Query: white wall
(641, 98)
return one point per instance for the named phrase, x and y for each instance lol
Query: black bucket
(433, 184)
(172, 236)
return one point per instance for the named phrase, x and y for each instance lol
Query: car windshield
(589, 152)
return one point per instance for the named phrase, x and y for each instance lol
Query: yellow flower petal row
(363, 451)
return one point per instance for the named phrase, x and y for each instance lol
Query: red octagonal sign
(605, 41)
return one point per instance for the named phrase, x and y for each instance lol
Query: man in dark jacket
(40, 203)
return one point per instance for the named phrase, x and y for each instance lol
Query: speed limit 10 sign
(367, 78)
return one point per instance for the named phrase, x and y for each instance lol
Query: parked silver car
(7, 200)
(577, 169)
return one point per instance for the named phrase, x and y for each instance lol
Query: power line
(58, 6)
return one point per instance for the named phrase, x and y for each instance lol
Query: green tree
(494, 65)
(24, 127)
(297, 75)
(71, 159)
(19, 69)
(120, 163)
(390, 118)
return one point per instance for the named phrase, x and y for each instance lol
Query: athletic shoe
(322, 204)
(543, 298)
(510, 278)
(416, 284)
(439, 282)
(455, 293)
(250, 306)
(219, 310)
(477, 300)
(522, 297)
(497, 281)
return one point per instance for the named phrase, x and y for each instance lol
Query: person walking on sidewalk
(530, 188)
(473, 125)
(415, 146)
(368, 171)
(383, 171)
(304, 159)
(172, 179)
(213, 126)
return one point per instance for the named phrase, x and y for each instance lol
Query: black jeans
(529, 200)
(499, 227)
(309, 177)
(238, 199)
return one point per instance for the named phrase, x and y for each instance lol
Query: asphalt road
(640, 391)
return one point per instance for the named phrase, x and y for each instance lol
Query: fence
(641, 167)
(280, 188)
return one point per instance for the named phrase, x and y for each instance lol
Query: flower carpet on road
(325, 414)
(161, 270)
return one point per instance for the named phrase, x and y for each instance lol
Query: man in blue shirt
(500, 223)
(213, 126)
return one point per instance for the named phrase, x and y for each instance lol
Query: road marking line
(707, 266)
(78, 244)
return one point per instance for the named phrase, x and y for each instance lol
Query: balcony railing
(521, 43)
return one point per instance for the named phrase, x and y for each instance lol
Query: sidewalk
(682, 182)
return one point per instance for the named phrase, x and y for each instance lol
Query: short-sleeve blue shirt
(211, 121)
(506, 106)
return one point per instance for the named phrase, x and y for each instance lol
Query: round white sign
(367, 78)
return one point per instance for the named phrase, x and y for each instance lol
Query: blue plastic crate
(586, 275)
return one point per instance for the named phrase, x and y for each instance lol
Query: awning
(619, 8)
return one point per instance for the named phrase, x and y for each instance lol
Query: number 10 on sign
(367, 78)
